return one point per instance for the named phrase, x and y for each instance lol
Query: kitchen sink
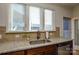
(39, 42)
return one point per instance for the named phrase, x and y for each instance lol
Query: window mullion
(27, 18)
(11, 19)
(42, 19)
(24, 17)
(53, 20)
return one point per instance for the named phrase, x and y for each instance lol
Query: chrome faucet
(38, 35)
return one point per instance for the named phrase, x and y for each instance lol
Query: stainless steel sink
(39, 42)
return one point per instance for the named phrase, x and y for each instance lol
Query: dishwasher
(64, 50)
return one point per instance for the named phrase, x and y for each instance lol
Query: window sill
(14, 32)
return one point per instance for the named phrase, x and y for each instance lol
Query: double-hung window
(48, 20)
(34, 18)
(17, 17)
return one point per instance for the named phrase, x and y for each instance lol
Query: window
(34, 18)
(48, 19)
(66, 27)
(17, 17)
(30, 18)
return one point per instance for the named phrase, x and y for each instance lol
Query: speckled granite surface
(9, 46)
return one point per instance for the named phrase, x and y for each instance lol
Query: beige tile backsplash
(30, 35)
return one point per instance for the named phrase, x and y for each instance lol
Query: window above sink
(28, 18)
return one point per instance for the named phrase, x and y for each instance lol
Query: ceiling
(68, 4)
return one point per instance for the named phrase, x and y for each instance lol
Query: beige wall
(60, 12)
(3, 14)
(76, 11)
(75, 15)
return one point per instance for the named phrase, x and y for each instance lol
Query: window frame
(51, 20)
(26, 18)
(11, 19)
(40, 18)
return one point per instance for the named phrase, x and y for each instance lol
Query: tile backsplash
(24, 35)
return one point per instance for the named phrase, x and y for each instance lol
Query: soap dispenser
(47, 35)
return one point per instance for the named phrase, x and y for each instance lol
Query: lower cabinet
(47, 50)
(14, 53)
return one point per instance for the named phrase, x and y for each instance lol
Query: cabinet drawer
(64, 44)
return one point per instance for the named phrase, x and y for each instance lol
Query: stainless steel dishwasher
(64, 50)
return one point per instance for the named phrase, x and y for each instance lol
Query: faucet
(38, 35)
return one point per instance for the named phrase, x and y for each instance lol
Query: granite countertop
(10, 46)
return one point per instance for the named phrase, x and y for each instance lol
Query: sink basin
(39, 42)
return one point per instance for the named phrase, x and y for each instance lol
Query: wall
(3, 14)
(60, 12)
(76, 11)
(31, 35)
(76, 16)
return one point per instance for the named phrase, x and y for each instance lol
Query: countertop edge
(36, 46)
